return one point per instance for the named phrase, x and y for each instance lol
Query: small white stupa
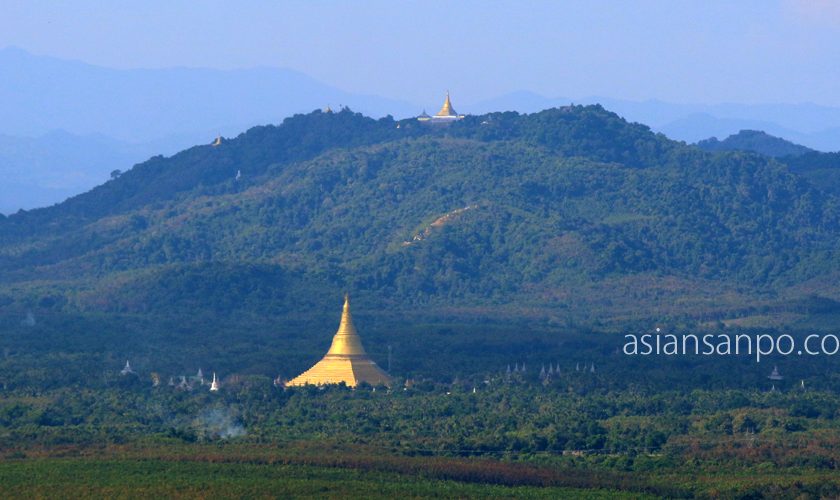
(215, 385)
(127, 369)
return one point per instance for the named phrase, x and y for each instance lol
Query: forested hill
(573, 131)
(821, 169)
(756, 141)
(568, 213)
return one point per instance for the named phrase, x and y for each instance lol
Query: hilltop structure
(346, 361)
(446, 114)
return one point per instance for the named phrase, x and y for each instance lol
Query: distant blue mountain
(700, 126)
(40, 171)
(40, 94)
(110, 119)
(115, 118)
(814, 126)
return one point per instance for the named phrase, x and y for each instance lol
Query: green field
(314, 469)
(77, 478)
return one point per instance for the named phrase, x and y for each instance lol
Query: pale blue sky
(704, 51)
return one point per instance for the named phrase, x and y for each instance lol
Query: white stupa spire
(215, 385)
(127, 369)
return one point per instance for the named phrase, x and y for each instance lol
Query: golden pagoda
(446, 110)
(346, 361)
(446, 114)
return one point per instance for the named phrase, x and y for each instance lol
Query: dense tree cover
(813, 161)
(672, 443)
(757, 142)
(501, 240)
(60, 383)
(255, 477)
(89, 350)
(509, 419)
(821, 169)
(566, 210)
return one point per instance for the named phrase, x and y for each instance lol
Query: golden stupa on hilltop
(446, 114)
(346, 361)
(446, 109)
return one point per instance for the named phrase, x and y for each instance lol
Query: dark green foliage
(569, 198)
(813, 161)
(501, 239)
(757, 142)
(249, 473)
(821, 169)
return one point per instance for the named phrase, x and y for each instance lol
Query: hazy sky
(702, 51)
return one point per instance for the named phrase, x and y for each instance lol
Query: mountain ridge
(148, 111)
(568, 198)
(139, 105)
(756, 141)
(815, 126)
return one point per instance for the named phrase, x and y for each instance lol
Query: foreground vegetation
(193, 478)
(602, 421)
(324, 469)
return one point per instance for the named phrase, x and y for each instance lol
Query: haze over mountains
(41, 94)
(66, 125)
(812, 125)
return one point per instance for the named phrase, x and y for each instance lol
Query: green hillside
(821, 169)
(755, 141)
(570, 212)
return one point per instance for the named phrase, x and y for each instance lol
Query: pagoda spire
(446, 109)
(346, 341)
(346, 361)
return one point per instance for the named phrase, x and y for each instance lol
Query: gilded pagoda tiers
(447, 114)
(346, 361)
